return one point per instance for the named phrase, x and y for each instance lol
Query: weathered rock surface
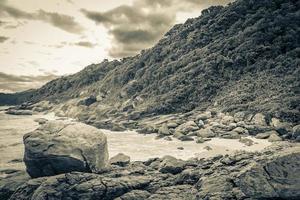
(271, 174)
(60, 147)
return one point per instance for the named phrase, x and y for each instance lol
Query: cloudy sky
(44, 39)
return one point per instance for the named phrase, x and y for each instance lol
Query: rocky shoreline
(272, 173)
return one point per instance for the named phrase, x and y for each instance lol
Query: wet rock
(171, 165)
(274, 138)
(120, 159)
(59, 147)
(206, 133)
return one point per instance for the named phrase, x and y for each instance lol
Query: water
(137, 146)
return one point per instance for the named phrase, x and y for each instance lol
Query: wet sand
(137, 146)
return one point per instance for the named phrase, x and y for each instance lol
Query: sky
(41, 40)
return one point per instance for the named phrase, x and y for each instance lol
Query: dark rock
(19, 112)
(10, 183)
(171, 165)
(185, 138)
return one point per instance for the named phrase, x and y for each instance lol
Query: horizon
(41, 41)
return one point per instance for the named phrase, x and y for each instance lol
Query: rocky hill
(244, 56)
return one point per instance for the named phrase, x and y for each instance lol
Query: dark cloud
(64, 22)
(13, 83)
(143, 23)
(3, 39)
(85, 44)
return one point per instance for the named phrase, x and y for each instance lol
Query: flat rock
(60, 147)
(120, 159)
(274, 138)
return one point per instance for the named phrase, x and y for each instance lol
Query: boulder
(120, 159)
(164, 130)
(226, 120)
(206, 133)
(187, 127)
(274, 138)
(171, 165)
(200, 124)
(296, 131)
(172, 125)
(284, 128)
(203, 116)
(239, 116)
(60, 147)
(259, 119)
(240, 130)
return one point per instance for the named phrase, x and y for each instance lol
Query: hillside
(244, 56)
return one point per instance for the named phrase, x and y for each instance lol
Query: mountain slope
(241, 57)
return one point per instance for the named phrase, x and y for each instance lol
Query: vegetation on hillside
(244, 56)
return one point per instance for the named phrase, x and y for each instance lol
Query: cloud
(64, 22)
(61, 21)
(3, 39)
(143, 23)
(85, 44)
(12, 83)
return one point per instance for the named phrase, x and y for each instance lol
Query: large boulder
(59, 147)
